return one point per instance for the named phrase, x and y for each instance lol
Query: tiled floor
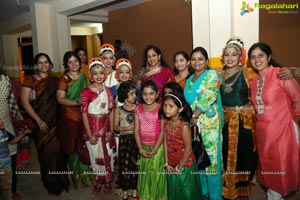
(30, 186)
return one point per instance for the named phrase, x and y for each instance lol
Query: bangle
(166, 164)
(141, 150)
(177, 170)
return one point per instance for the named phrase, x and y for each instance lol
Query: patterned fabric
(239, 154)
(176, 146)
(99, 125)
(211, 130)
(5, 94)
(72, 89)
(128, 153)
(210, 126)
(160, 78)
(277, 132)
(150, 124)
(48, 147)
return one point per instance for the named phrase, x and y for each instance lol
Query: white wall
(215, 21)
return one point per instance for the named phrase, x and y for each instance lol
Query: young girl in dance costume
(149, 136)
(97, 105)
(128, 151)
(182, 177)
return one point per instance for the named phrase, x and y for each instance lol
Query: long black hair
(179, 100)
(266, 49)
(163, 63)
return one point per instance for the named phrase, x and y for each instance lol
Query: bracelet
(166, 164)
(141, 150)
(177, 170)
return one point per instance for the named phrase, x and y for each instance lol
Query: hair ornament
(107, 47)
(123, 61)
(236, 41)
(172, 95)
(95, 61)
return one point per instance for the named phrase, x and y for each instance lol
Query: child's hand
(169, 168)
(93, 140)
(27, 131)
(146, 153)
(43, 126)
(108, 136)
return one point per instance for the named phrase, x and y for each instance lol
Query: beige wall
(165, 23)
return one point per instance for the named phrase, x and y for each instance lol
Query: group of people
(141, 132)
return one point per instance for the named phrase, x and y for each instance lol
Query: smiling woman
(155, 69)
(43, 110)
(276, 102)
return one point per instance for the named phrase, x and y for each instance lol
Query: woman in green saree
(70, 124)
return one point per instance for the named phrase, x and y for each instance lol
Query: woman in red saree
(43, 110)
(277, 102)
(70, 124)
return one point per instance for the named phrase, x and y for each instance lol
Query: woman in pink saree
(155, 69)
(277, 102)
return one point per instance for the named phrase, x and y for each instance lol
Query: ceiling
(10, 9)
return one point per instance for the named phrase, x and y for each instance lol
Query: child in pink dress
(149, 137)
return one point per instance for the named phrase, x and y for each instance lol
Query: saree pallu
(185, 186)
(70, 123)
(152, 182)
(47, 144)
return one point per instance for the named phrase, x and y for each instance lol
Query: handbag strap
(196, 136)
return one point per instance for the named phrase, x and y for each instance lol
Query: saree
(47, 144)
(98, 107)
(71, 128)
(160, 78)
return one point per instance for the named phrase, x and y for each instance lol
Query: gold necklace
(228, 86)
(99, 89)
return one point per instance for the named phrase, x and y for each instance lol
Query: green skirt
(152, 183)
(185, 186)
